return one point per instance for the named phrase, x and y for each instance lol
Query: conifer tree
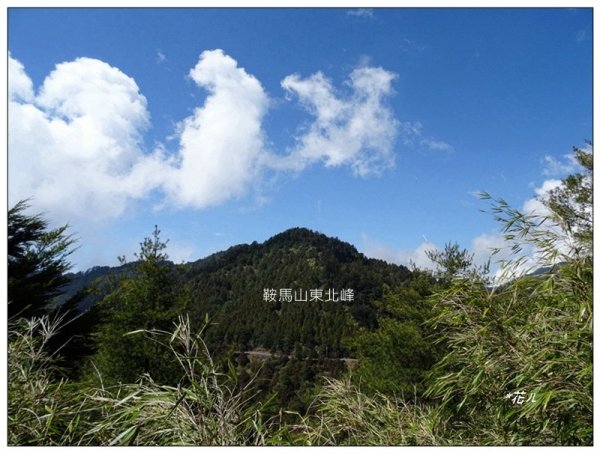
(146, 298)
(37, 261)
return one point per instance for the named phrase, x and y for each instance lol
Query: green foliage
(229, 287)
(344, 415)
(572, 203)
(454, 262)
(531, 334)
(37, 261)
(205, 408)
(394, 357)
(147, 299)
(43, 409)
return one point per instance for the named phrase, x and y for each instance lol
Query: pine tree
(37, 261)
(147, 299)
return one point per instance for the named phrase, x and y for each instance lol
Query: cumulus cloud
(356, 130)
(535, 205)
(72, 147)
(20, 87)
(75, 146)
(222, 146)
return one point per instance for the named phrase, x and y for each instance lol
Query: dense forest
(302, 340)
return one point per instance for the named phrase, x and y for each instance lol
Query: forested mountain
(230, 286)
(304, 300)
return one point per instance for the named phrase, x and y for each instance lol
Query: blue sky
(225, 126)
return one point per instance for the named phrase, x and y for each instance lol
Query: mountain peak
(305, 235)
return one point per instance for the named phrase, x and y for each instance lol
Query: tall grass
(43, 407)
(531, 334)
(345, 415)
(205, 408)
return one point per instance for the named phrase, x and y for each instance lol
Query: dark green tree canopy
(572, 203)
(145, 298)
(37, 261)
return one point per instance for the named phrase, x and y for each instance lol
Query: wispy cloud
(412, 134)
(406, 257)
(555, 167)
(181, 252)
(407, 45)
(361, 12)
(357, 130)
(160, 57)
(437, 145)
(581, 35)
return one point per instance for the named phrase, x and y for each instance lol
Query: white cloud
(555, 167)
(160, 57)
(492, 249)
(405, 257)
(437, 145)
(407, 45)
(505, 262)
(564, 242)
(181, 252)
(361, 12)
(535, 205)
(76, 149)
(357, 130)
(528, 256)
(73, 146)
(483, 246)
(20, 87)
(222, 147)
